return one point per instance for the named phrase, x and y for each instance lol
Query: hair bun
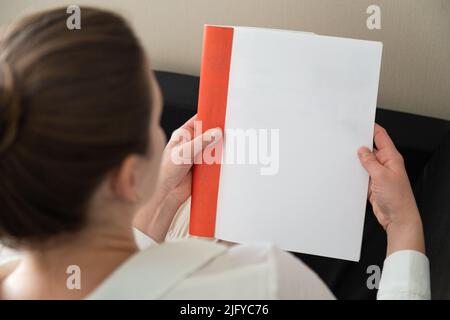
(9, 106)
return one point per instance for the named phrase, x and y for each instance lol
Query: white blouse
(201, 269)
(260, 271)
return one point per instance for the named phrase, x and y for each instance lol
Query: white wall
(416, 35)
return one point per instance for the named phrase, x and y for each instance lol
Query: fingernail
(363, 152)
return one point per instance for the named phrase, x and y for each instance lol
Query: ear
(123, 182)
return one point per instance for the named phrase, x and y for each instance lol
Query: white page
(320, 92)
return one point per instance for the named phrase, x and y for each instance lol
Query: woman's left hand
(175, 178)
(179, 156)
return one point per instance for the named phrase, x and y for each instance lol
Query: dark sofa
(416, 137)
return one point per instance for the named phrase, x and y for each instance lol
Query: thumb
(369, 162)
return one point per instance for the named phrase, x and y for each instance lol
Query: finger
(370, 162)
(208, 139)
(190, 123)
(387, 154)
(184, 133)
(375, 151)
(383, 156)
(193, 148)
(382, 139)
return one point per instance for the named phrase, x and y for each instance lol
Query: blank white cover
(321, 93)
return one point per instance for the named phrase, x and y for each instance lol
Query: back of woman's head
(73, 105)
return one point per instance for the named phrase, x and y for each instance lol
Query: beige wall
(416, 35)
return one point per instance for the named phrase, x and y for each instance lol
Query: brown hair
(73, 105)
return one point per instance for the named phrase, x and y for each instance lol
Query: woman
(82, 161)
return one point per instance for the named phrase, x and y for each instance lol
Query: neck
(86, 259)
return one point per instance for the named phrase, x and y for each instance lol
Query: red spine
(212, 103)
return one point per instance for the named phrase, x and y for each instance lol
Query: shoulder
(9, 260)
(260, 271)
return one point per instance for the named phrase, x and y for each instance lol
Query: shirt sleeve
(405, 276)
(143, 241)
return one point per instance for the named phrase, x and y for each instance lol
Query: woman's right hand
(391, 195)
